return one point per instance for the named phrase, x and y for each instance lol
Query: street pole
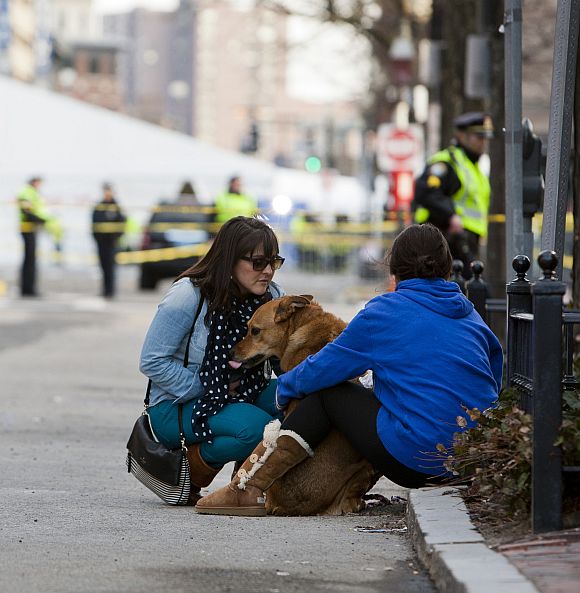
(559, 134)
(513, 135)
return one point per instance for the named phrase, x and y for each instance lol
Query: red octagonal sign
(400, 149)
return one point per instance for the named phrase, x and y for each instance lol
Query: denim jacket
(164, 347)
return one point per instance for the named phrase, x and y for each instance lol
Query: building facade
(157, 64)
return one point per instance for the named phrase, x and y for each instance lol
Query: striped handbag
(164, 471)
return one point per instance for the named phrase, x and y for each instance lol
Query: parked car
(172, 225)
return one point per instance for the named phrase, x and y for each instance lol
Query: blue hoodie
(430, 353)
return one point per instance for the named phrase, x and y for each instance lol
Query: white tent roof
(75, 146)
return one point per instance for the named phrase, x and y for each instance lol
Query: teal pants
(237, 428)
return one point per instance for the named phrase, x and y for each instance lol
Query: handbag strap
(185, 363)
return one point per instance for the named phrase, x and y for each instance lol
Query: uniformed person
(453, 193)
(234, 203)
(108, 226)
(33, 216)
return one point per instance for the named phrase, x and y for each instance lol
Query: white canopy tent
(76, 146)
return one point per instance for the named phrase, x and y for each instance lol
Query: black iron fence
(540, 366)
(540, 350)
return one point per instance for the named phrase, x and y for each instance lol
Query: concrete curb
(453, 551)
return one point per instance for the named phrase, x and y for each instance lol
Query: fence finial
(456, 274)
(548, 261)
(477, 268)
(521, 264)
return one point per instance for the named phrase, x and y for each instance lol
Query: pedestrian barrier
(537, 329)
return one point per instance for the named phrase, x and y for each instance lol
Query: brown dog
(335, 479)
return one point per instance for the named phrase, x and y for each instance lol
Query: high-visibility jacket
(471, 200)
(228, 205)
(33, 212)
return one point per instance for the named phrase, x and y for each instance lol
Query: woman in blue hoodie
(431, 355)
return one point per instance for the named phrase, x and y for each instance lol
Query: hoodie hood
(437, 295)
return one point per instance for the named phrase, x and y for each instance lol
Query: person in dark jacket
(430, 354)
(108, 226)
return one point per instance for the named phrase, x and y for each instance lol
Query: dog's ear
(288, 306)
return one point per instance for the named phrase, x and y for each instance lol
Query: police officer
(108, 226)
(453, 193)
(234, 203)
(33, 216)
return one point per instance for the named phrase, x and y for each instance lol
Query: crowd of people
(109, 223)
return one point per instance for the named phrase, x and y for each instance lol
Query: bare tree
(378, 21)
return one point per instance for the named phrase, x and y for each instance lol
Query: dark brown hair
(213, 272)
(420, 251)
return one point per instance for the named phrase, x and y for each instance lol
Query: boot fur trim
(298, 439)
(271, 431)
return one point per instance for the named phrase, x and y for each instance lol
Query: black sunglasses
(261, 263)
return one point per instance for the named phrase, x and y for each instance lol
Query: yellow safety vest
(32, 209)
(229, 205)
(471, 200)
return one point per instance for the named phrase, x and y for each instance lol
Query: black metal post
(547, 295)
(519, 300)
(456, 274)
(559, 135)
(476, 289)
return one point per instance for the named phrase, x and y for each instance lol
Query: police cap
(475, 122)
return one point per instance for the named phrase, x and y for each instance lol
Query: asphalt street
(72, 519)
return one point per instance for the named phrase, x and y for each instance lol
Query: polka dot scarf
(225, 331)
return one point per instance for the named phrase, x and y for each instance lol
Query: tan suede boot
(280, 451)
(200, 473)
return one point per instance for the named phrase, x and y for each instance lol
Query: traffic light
(533, 179)
(251, 142)
(254, 138)
(313, 164)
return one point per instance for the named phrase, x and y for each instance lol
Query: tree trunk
(459, 19)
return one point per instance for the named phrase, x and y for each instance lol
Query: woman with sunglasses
(186, 352)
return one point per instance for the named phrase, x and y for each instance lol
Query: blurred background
(326, 110)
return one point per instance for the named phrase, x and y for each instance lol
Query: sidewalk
(459, 560)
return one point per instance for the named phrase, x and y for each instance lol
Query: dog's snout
(232, 353)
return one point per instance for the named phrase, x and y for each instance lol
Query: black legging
(352, 410)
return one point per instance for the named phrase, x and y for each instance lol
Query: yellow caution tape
(182, 208)
(162, 254)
